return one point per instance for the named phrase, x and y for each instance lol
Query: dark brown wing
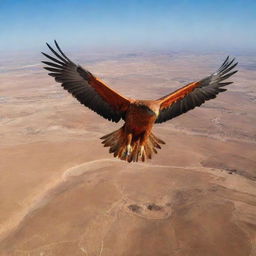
(195, 94)
(85, 87)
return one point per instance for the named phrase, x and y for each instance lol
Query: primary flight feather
(134, 141)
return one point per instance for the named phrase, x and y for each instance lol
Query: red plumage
(134, 141)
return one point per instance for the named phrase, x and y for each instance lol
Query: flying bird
(134, 141)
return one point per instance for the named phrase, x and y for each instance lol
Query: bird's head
(150, 110)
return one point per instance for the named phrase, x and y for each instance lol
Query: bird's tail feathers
(132, 149)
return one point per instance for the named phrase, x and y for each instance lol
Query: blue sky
(162, 24)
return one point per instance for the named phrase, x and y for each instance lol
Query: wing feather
(85, 87)
(195, 94)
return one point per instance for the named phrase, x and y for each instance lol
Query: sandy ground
(61, 193)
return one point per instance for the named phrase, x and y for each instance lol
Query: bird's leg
(126, 148)
(142, 152)
(142, 149)
(135, 150)
(129, 147)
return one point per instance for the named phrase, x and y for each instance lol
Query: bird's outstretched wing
(85, 87)
(195, 94)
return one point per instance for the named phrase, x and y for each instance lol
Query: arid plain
(62, 193)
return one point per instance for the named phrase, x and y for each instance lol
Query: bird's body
(134, 141)
(141, 116)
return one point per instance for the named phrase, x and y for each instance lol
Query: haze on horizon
(177, 25)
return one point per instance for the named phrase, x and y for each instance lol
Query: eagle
(134, 141)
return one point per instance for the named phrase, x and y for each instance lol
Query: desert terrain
(62, 193)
